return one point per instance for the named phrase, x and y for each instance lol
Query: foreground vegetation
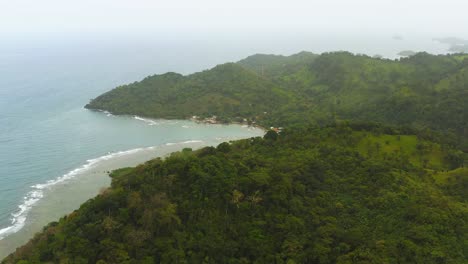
(305, 196)
(324, 190)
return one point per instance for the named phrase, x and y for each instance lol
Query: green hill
(315, 195)
(423, 91)
(227, 90)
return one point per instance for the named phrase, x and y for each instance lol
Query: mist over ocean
(48, 141)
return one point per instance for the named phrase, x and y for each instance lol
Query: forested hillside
(341, 194)
(370, 168)
(227, 90)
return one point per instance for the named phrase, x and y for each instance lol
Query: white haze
(27, 18)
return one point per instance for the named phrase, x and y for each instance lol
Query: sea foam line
(148, 121)
(184, 142)
(19, 217)
(107, 113)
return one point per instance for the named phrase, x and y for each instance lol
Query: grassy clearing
(419, 152)
(445, 177)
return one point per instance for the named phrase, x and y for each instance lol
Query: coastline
(66, 193)
(199, 120)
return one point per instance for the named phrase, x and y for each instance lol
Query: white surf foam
(19, 218)
(148, 121)
(184, 142)
(107, 113)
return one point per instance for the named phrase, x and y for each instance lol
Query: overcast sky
(437, 18)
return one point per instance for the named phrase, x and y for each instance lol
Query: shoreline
(196, 119)
(64, 194)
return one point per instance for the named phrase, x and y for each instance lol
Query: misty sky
(436, 18)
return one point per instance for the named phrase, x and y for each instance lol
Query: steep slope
(327, 195)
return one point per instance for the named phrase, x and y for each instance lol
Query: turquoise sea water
(54, 154)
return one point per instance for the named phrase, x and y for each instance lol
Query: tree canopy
(370, 167)
(339, 194)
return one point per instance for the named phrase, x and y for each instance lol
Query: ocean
(54, 154)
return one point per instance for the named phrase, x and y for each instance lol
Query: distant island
(407, 53)
(457, 45)
(451, 40)
(364, 161)
(460, 48)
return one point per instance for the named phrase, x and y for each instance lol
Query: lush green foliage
(272, 66)
(324, 190)
(304, 196)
